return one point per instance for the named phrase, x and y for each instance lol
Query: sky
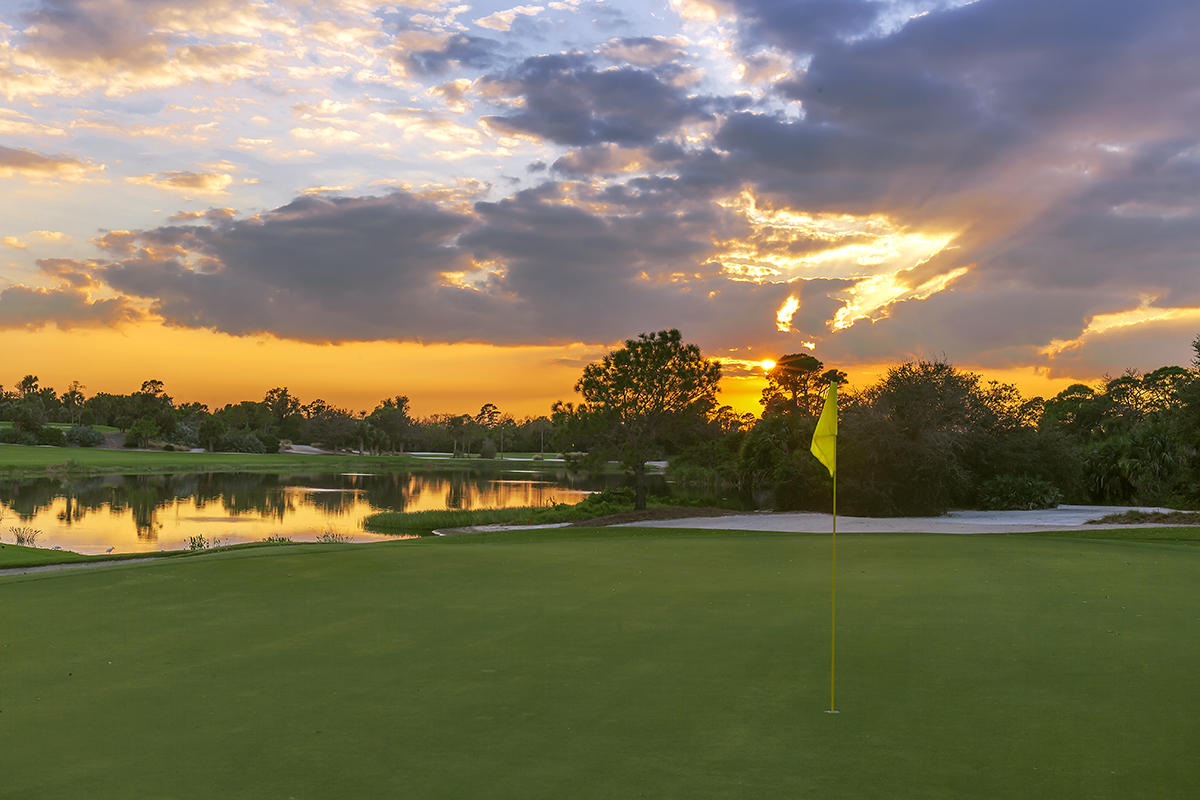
(468, 202)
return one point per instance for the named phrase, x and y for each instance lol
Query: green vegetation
(424, 522)
(612, 663)
(18, 461)
(1136, 517)
(642, 401)
(12, 555)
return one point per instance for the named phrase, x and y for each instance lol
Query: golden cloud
(27, 163)
(782, 245)
(1100, 324)
(214, 183)
(503, 20)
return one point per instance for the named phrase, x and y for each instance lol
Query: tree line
(151, 417)
(924, 438)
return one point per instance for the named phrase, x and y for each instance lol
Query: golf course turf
(613, 663)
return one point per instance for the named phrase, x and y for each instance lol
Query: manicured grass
(16, 460)
(612, 663)
(15, 555)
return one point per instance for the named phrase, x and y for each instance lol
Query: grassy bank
(21, 461)
(613, 663)
(15, 555)
(424, 522)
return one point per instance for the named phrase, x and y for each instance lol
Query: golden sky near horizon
(216, 369)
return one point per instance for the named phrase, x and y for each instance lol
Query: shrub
(185, 435)
(270, 442)
(84, 436)
(9, 436)
(487, 449)
(200, 543)
(240, 442)
(331, 537)
(141, 432)
(51, 436)
(1018, 492)
(26, 537)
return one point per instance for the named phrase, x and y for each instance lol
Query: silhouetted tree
(652, 392)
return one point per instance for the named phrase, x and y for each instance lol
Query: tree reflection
(142, 499)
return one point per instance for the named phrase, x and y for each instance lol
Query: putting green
(611, 664)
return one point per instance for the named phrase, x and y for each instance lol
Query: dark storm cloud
(568, 101)
(474, 52)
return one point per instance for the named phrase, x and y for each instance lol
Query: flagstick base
(832, 711)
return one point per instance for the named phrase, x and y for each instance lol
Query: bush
(487, 449)
(26, 537)
(270, 442)
(185, 435)
(1018, 492)
(9, 436)
(51, 436)
(83, 436)
(240, 442)
(141, 432)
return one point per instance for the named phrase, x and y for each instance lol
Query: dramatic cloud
(1012, 183)
(566, 100)
(30, 307)
(438, 57)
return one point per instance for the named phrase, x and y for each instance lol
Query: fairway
(612, 664)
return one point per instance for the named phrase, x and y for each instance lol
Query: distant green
(23, 461)
(613, 663)
(17, 460)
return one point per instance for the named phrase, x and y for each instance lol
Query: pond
(138, 513)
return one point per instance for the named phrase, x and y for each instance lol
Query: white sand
(1052, 519)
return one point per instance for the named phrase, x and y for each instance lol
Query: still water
(137, 513)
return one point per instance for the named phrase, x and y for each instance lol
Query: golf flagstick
(824, 447)
(833, 608)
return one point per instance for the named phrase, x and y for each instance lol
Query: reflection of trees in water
(266, 494)
(245, 492)
(332, 502)
(28, 497)
(389, 492)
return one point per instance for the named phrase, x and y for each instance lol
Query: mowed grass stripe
(611, 664)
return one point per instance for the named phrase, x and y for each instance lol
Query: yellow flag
(824, 441)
